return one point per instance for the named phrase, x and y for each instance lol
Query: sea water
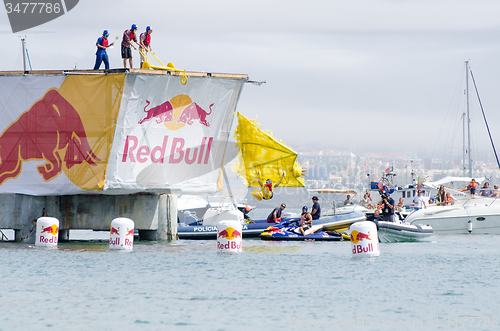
(445, 283)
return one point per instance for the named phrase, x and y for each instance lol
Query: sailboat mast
(23, 40)
(464, 149)
(468, 118)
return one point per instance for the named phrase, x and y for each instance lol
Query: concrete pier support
(155, 215)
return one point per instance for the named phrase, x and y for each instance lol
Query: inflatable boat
(207, 229)
(389, 232)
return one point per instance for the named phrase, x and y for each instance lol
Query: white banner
(171, 137)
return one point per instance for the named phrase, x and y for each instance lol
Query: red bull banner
(172, 136)
(113, 134)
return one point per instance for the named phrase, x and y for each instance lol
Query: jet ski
(289, 230)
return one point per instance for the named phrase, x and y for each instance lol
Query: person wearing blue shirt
(316, 209)
(101, 54)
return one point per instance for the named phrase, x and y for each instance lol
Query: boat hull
(455, 219)
(402, 232)
(338, 223)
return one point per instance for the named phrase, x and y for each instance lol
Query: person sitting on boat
(473, 185)
(495, 193)
(366, 202)
(449, 199)
(400, 205)
(441, 196)
(348, 200)
(419, 201)
(266, 189)
(486, 192)
(375, 218)
(368, 196)
(305, 221)
(275, 216)
(316, 209)
(387, 205)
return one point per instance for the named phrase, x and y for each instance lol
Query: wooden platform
(123, 70)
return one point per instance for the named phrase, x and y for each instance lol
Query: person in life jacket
(473, 186)
(101, 54)
(128, 37)
(266, 192)
(145, 43)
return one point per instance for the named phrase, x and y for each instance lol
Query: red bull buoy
(364, 239)
(121, 235)
(229, 236)
(47, 232)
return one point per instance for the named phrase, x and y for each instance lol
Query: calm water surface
(448, 282)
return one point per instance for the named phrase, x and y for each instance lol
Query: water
(188, 285)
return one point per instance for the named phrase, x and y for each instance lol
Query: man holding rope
(128, 37)
(145, 44)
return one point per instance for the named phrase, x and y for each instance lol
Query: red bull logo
(114, 231)
(229, 233)
(52, 131)
(53, 230)
(358, 236)
(130, 232)
(177, 113)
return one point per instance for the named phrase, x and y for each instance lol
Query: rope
(484, 116)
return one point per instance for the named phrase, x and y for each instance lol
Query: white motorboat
(389, 232)
(480, 216)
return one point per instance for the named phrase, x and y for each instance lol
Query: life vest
(448, 199)
(473, 184)
(267, 191)
(104, 42)
(147, 39)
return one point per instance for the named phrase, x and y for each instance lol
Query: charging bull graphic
(50, 130)
(163, 113)
(358, 236)
(180, 111)
(194, 112)
(53, 229)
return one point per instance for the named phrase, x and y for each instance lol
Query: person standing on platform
(145, 44)
(316, 209)
(128, 37)
(101, 54)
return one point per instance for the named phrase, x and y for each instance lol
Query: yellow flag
(261, 153)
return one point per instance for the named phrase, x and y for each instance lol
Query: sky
(361, 75)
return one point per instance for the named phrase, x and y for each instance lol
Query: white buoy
(469, 226)
(229, 235)
(121, 235)
(47, 231)
(364, 239)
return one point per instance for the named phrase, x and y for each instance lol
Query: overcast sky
(356, 74)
